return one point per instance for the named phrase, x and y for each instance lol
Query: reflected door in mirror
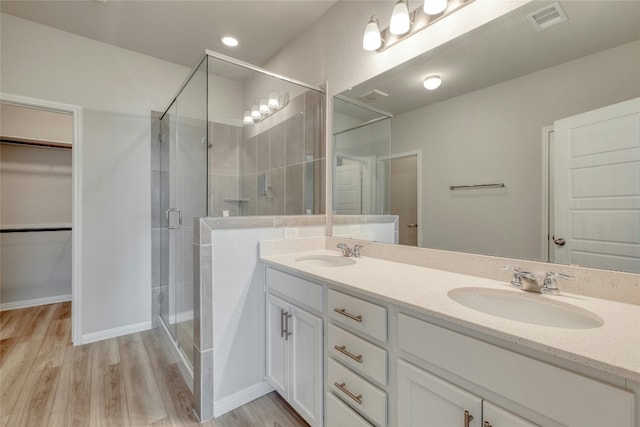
(404, 197)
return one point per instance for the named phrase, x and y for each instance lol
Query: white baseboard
(242, 397)
(115, 332)
(34, 302)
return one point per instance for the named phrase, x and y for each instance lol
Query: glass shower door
(186, 192)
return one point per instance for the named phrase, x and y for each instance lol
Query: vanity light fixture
(404, 24)
(434, 7)
(229, 41)
(273, 101)
(400, 20)
(372, 40)
(432, 82)
(265, 108)
(255, 113)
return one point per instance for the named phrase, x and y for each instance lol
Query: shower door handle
(168, 218)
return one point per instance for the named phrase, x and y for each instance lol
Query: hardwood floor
(125, 381)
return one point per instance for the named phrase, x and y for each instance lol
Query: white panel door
(597, 188)
(277, 351)
(305, 381)
(495, 416)
(348, 200)
(426, 400)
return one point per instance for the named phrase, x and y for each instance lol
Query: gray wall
(495, 135)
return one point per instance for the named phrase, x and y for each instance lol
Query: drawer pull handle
(467, 418)
(342, 388)
(343, 350)
(344, 312)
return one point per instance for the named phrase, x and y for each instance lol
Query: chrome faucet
(348, 252)
(531, 284)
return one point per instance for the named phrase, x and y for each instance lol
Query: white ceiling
(179, 31)
(505, 49)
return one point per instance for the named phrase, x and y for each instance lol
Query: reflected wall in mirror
(548, 113)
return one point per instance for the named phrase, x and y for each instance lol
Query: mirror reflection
(530, 147)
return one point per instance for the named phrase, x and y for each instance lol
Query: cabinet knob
(487, 424)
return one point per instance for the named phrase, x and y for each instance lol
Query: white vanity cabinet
(357, 368)
(555, 394)
(294, 341)
(426, 400)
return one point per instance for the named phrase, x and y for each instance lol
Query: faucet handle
(346, 251)
(550, 285)
(356, 250)
(517, 275)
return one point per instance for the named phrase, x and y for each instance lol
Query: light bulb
(247, 120)
(432, 82)
(400, 21)
(434, 7)
(264, 108)
(372, 40)
(255, 113)
(273, 101)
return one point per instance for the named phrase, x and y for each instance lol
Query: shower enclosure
(236, 140)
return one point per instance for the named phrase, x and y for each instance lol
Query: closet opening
(39, 212)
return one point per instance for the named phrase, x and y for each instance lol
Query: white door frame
(76, 212)
(547, 208)
(417, 153)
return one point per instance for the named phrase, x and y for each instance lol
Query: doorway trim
(547, 192)
(76, 209)
(418, 154)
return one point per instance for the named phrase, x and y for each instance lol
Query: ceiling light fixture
(404, 24)
(229, 41)
(434, 7)
(400, 20)
(432, 82)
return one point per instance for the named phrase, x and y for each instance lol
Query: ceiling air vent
(547, 17)
(373, 95)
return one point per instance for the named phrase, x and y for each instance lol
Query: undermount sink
(326, 260)
(526, 307)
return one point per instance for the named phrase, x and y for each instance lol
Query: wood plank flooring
(126, 381)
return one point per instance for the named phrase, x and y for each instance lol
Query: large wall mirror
(530, 148)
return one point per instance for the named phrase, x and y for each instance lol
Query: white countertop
(613, 348)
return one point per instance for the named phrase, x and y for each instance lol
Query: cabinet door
(495, 416)
(277, 354)
(305, 364)
(426, 400)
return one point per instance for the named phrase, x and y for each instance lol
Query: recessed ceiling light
(229, 41)
(432, 82)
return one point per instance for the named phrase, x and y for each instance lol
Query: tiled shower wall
(290, 154)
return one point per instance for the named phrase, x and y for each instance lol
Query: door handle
(168, 215)
(412, 225)
(559, 241)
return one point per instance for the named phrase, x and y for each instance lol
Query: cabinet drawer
(517, 377)
(296, 289)
(358, 354)
(369, 318)
(340, 415)
(358, 393)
